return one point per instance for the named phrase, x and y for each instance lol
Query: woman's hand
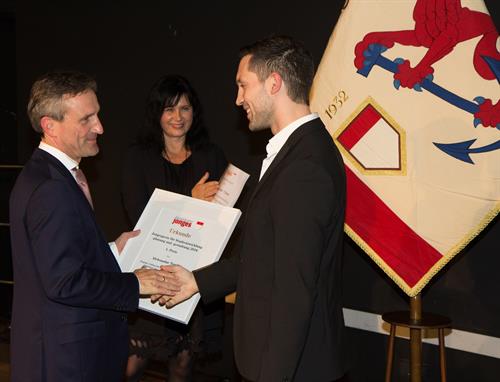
(205, 190)
(123, 238)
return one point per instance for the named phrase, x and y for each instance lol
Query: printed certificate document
(230, 186)
(177, 229)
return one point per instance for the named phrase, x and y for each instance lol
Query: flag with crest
(409, 90)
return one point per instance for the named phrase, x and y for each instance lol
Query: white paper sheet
(177, 229)
(231, 184)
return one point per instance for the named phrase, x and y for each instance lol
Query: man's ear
(275, 82)
(47, 125)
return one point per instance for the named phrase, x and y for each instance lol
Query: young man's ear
(275, 82)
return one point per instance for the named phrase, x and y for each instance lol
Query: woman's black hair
(167, 92)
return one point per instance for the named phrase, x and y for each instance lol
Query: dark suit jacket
(288, 322)
(69, 294)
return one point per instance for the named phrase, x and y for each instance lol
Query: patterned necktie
(82, 182)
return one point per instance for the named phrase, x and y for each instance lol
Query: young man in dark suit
(70, 298)
(288, 322)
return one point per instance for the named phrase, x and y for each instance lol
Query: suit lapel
(54, 162)
(64, 172)
(289, 145)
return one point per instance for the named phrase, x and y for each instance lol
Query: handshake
(169, 286)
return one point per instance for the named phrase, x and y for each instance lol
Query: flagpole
(416, 339)
(416, 321)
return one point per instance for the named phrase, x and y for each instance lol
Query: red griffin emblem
(439, 26)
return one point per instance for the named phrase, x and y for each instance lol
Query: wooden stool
(428, 321)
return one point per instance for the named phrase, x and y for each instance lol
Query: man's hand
(205, 190)
(156, 282)
(123, 238)
(184, 280)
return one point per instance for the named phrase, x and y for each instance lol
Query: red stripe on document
(359, 126)
(402, 249)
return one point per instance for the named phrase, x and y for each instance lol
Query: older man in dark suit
(70, 298)
(288, 322)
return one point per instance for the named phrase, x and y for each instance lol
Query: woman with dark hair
(172, 152)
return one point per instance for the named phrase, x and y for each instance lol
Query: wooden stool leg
(390, 354)
(442, 357)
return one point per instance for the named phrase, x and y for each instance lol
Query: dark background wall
(127, 45)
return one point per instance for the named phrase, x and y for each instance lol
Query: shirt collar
(278, 141)
(68, 162)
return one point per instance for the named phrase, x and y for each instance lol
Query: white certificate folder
(177, 229)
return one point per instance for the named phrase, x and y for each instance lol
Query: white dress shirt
(67, 162)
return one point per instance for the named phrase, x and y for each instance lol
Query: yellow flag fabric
(409, 91)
